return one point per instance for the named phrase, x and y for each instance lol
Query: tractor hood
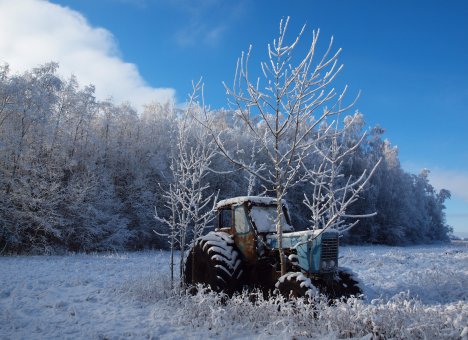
(317, 250)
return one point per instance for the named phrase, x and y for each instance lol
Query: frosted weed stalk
(398, 317)
(150, 288)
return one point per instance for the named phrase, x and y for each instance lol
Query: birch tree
(186, 197)
(282, 109)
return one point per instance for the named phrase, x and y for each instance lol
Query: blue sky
(409, 59)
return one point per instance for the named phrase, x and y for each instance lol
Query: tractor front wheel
(344, 284)
(295, 285)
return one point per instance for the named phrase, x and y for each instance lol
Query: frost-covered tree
(282, 110)
(80, 174)
(404, 202)
(188, 197)
(333, 193)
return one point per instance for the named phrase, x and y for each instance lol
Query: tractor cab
(249, 219)
(242, 214)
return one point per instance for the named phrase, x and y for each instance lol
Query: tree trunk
(279, 229)
(172, 262)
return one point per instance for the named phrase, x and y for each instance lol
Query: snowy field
(414, 292)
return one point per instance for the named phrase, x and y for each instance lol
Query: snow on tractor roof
(243, 199)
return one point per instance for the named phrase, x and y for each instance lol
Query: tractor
(242, 253)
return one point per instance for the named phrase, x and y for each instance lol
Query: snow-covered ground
(412, 292)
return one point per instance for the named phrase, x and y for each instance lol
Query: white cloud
(33, 32)
(455, 181)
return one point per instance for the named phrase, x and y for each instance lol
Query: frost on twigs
(399, 317)
(283, 112)
(188, 197)
(333, 192)
(434, 308)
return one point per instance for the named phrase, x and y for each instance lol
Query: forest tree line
(78, 174)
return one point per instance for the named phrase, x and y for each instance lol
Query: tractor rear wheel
(215, 262)
(295, 284)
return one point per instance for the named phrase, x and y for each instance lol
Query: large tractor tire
(295, 285)
(345, 283)
(215, 262)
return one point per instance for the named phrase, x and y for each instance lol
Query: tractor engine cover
(317, 250)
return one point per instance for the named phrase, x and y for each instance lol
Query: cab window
(225, 218)
(242, 223)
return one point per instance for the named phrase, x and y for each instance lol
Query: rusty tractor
(243, 253)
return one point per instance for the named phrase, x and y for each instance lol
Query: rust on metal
(246, 244)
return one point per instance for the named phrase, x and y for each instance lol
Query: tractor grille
(330, 248)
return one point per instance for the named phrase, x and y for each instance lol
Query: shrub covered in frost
(400, 317)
